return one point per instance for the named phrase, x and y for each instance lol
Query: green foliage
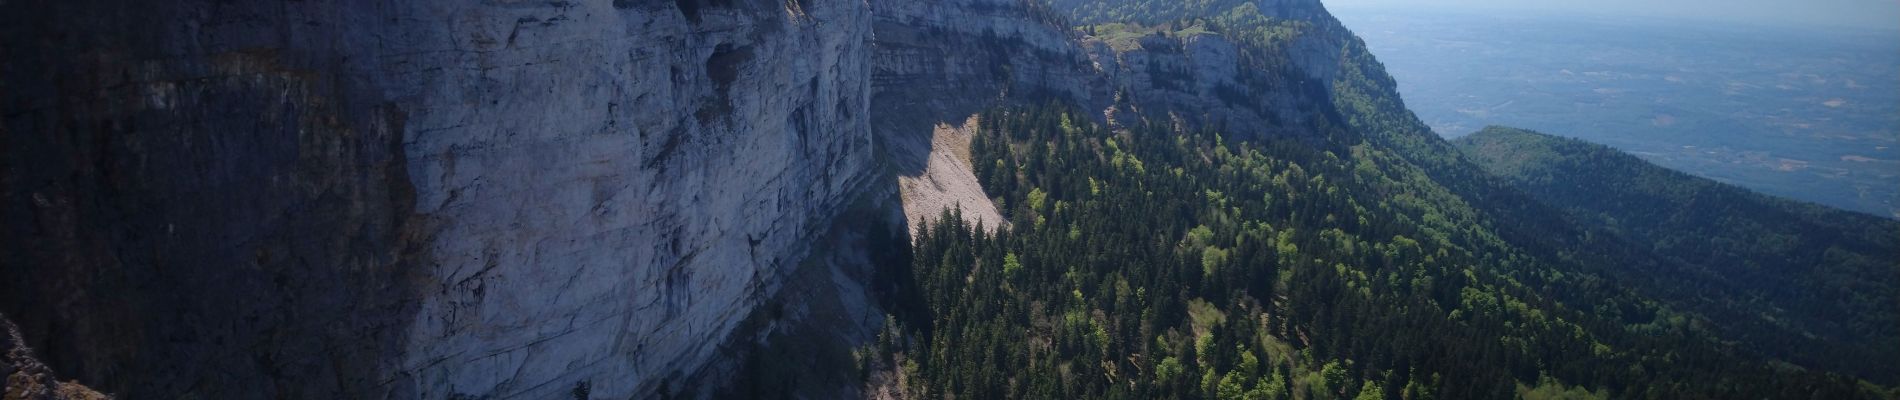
(1168, 370)
(1334, 376)
(1343, 282)
(1370, 390)
(1204, 317)
(1211, 260)
(1269, 387)
(1550, 389)
(1798, 281)
(1233, 386)
(1037, 199)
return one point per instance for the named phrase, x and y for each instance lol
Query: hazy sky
(1857, 13)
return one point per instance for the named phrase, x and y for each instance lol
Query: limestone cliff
(510, 198)
(369, 199)
(936, 63)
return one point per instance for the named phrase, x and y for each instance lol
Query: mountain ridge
(1736, 234)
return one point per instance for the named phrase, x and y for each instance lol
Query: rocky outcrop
(948, 182)
(22, 377)
(1205, 79)
(938, 62)
(414, 199)
(1012, 51)
(941, 61)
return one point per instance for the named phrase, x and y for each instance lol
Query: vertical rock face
(624, 185)
(1207, 79)
(1017, 50)
(507, 198)
(1000, 47)
(1004, 51)
(419, 198)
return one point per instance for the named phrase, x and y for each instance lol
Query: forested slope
(1363, 257)
(1150, 262)
(1819, 281)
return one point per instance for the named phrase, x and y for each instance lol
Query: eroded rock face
(420, 198)
(504, 198)
(1206, 79)
(22, 377)
(637, 187)
(937, 62)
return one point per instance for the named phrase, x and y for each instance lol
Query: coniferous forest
(1371, 260)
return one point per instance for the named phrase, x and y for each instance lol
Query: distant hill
(1814, 271)
(1808, 114)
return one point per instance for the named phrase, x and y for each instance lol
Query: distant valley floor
(1806, 114)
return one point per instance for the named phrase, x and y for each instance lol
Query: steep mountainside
(625, 199)
(1804, 270)
(1015, 52)
(1150, 257)
(418, 198)
(509, 198)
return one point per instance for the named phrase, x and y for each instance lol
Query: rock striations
(502, 198)
(414, 199)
